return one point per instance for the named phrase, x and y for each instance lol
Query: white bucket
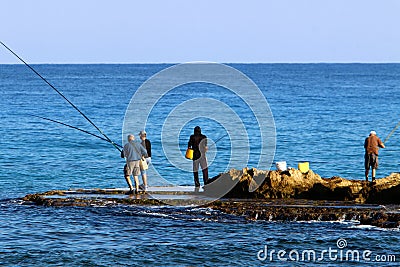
(281, 166)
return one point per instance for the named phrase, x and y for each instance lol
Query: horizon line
(175, 63)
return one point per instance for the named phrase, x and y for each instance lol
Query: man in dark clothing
(198, 142)
(372, 145)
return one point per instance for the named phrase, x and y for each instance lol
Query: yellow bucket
(304, 166)
(189, 153)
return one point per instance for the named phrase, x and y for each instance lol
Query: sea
(322, 114)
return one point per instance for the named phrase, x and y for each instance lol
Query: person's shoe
(130, 192)
(143, 187)
(136, 191)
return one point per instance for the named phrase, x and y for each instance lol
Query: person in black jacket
(198, 142)
(147, 145)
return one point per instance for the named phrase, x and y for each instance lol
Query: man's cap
(372, 133)
(142, 132)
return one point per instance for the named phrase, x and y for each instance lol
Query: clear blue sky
(130, 31)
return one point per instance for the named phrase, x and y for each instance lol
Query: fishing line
(390, 134)
(73, 127)
(66, 99)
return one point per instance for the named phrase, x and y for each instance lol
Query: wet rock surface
(283, 211)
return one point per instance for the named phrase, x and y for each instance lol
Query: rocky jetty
(282, 196)
(293, 184)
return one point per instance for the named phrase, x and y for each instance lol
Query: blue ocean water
(322, 113)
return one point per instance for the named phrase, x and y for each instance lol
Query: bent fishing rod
(66, 99)
(74, 127)
(391, 133)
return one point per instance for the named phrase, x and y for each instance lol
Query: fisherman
(372, 144)
(147, 145)
(132, 152)
(198, 142)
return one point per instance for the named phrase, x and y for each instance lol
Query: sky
(175, 31)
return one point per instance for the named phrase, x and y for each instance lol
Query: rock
(295, 184)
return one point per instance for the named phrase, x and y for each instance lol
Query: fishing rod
(219, 139)
(390, 134)
(66, 99)
(73, 127)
